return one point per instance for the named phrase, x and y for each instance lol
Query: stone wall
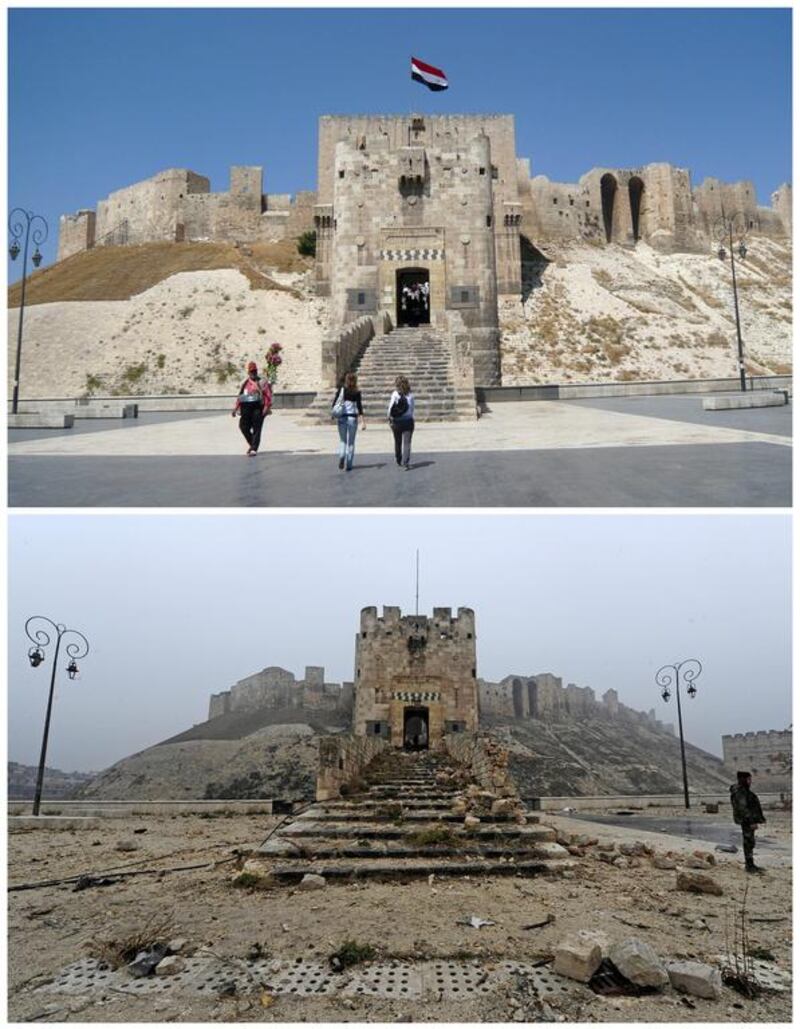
(340, 349)
(277, 688)
(342, 759)
(544, 697)
(486, 759)
(415, 662)
(767, 755)
(176, 205)
(76, 232)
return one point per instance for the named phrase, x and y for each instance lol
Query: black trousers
(748, 841)
(251, 418)
(402, 430)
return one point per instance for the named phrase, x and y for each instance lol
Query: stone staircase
(424, 358)
(403, 825)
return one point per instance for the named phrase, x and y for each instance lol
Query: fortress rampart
(767, 754)
(544, 697)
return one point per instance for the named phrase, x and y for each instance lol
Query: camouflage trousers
(748, 841)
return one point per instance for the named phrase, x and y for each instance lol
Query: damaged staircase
(407, 820)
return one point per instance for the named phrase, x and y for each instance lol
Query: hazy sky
(99, 99)
(178, 607)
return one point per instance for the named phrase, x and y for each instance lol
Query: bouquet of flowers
(272, 360)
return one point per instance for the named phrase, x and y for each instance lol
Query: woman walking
(347, 409)
(401, 419)
(253, 405)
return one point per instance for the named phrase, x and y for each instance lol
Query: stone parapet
(342, 759)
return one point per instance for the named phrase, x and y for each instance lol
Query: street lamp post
(684, 674)
(725, 229)
(42, 637)
(17, 228)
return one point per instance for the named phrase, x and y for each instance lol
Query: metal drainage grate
(387, 979)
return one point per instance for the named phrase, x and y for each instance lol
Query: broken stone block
(255, 867)
(170, 965)
(146, 960)
(606, 846)
(596, 936)
(504, 806)
(635, 849)
(550, 850)
(665, 861)
(127, 845)
(278, 848)
(697, 882)
(180, 945)
(459, 806)
(584, 840)
(609, 858)
(577, 958)
(639, 963)
(693, 862)
(696, 978)
(620, 862)
(471, 822)
(705, 855)
(311, 881)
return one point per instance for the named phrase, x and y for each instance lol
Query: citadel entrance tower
(410, 199)
(415, 676)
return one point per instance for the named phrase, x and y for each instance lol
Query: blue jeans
(347, 439)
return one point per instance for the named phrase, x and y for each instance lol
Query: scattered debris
(696, 882)
(727, 848)
(311, 881)
(170, 965)
(577, 957)
(475, 921)
(87, 882)
(696, 978)
(538, 925)
(608, 981)
(145, 962)
(351, 953)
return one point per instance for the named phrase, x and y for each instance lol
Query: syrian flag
(433, 78)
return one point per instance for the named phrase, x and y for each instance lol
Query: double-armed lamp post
(42, 632)
(682, 674)
(732, 229)
(30, 230)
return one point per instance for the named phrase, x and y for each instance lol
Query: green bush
(307, 244)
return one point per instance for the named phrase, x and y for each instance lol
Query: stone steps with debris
(377, 837)
(390, 868)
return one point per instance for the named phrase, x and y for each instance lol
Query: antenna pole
(416, 606)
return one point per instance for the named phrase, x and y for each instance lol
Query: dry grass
(118, 273)
(121, 948)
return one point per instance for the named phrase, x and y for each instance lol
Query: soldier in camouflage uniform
(747, 813)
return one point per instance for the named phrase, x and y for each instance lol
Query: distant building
(766, 754)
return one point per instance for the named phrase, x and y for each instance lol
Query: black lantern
(666, 695)
(37, 258)
(721, 254)
(35, 656)
(72, 669)
(691, 689)
(14, 250)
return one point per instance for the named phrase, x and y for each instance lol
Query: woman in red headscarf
(252, 405)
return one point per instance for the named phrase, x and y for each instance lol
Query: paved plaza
(615, 452)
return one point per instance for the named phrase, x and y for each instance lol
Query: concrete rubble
(639, 963)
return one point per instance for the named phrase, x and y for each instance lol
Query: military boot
(751, 866)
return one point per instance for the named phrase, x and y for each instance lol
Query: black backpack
(399, 407)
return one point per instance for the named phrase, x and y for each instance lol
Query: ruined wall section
(149, 209)
(276, 688)
(76, 232)
(176, 205)
(545, 697)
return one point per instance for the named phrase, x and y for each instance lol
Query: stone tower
(415, 676)
(435, 197)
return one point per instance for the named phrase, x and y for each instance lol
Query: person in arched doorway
(401, 419)
(253, 404)
(348, 409)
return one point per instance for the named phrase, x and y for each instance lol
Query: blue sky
(603, 601)
(99, 99)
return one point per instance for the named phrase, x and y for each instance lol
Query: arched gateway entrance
(415, 728)
(413, 296)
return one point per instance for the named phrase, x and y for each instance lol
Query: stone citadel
(415, 680)
(438, 200)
